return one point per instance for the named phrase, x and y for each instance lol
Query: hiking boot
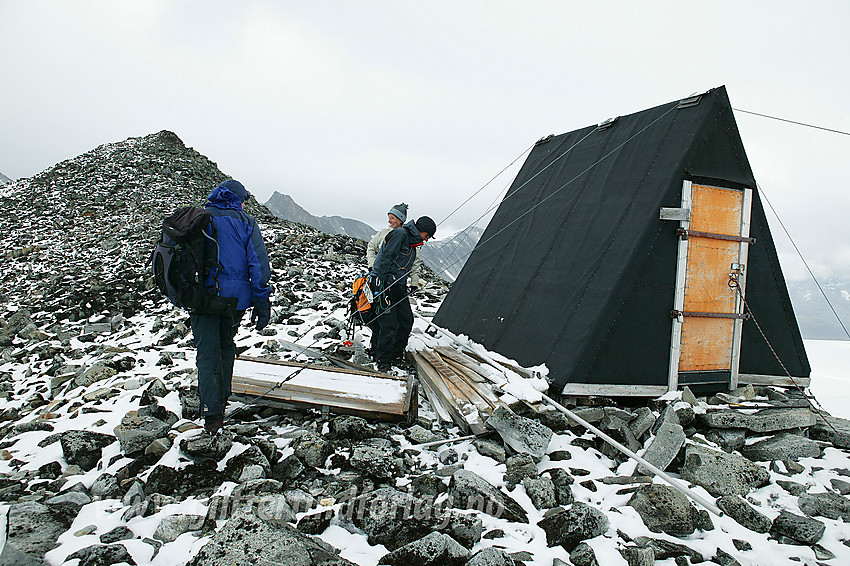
(384, 368)
(213, 424)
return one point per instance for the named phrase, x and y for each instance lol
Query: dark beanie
(425, 224)
(399, 211)
(236, 188)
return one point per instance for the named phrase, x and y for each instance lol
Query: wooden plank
(298, 406)
(456, 384)
(344, 390)
(315, 397)
(593, 389)
(475, 383)
(439, 390)
(307, 392)
(461, 410)
(779, 380)
(514, 368)
(466, 361)
(441, 411)
(468, 375)
(318, 367)
(411, 405)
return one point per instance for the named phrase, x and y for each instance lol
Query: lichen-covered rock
(98, 372)
(491, 556)
(518, 467)
(523, 435)
(31, 532)
(830, 505)
(665, 510)
(831, 429)
(574, 525)
(721, 473)
(83, 447)
(782, 446)
(374, 458)
(135, 433)
(99, 554)
(767, 420)
(541, 491)
(664, 549)
(664, 447)
(312, 449)
(172, 526)
(435, 549)
(744, 514)
(245, 537)
(801, 530)
(468, 490)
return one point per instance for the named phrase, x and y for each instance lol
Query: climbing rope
(814, 404)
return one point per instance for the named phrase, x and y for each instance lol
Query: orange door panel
(706, 340)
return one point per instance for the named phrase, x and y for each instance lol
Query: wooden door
(712, 267)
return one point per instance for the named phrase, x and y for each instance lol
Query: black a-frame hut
(634, 257)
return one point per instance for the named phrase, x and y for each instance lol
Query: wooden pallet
(337, 390)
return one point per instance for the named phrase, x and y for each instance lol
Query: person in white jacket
(396, 216)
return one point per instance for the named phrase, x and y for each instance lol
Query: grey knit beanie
(399, 211)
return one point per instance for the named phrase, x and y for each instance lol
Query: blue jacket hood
(223, 198)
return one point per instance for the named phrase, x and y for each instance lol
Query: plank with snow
(340, 390)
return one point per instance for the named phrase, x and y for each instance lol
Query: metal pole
(446, 441)
(658, 472)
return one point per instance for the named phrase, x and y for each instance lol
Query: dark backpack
(184, 255)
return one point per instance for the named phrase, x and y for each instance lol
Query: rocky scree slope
(101, 460)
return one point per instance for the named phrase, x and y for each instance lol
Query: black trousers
(393, 327)
(213, 336)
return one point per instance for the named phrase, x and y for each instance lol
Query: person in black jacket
(389, 276)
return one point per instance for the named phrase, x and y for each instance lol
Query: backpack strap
(212, 262)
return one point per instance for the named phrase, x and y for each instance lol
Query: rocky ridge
(101, 460)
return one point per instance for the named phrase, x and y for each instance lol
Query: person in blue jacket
(389, 276)
(244, 274)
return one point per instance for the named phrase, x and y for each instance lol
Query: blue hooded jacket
(244, 261)
(395, 258)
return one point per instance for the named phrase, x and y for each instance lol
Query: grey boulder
(721, 473)
(83, 447)
(136, 433)
(802, 530)
(783, 446)
(744, 514)
(523, 435)
(468, 490)
(829, 505)
(435, 549)
(245, 537)
(665, 510)
(768, 420)
(574, 525)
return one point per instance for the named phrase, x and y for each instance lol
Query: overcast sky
(353, 106)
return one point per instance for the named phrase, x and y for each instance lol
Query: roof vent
(544, 139)
(690, 101)
(606, 124)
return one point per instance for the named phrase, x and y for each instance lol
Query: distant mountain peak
(284, 206)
